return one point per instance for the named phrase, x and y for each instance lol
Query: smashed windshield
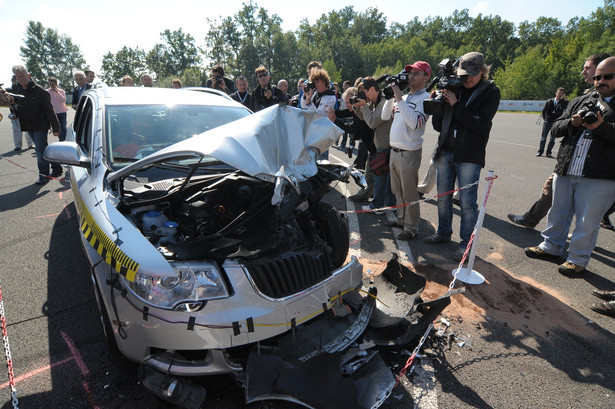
(133, 132)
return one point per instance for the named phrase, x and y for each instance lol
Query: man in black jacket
(266, 95)
(584, 182)
(242, 95)
(36, 115)
(553, 109)
(464, 128)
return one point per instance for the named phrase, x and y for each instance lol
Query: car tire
(104, 318)
(334, 231)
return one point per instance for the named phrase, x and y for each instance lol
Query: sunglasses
(607, 77)
(263, 75)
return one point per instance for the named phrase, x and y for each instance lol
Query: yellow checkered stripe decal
(104, 246)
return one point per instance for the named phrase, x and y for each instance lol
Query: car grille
(289, 274)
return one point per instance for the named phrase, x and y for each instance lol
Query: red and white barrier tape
(7, 352)
(32, 171)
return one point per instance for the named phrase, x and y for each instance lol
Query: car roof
(166, 96)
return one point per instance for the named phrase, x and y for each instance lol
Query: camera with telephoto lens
(308, 86)
(401, 80)
(588, 112)
(448, 79)
(355, 98)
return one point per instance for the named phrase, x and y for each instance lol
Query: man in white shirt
(406, 139)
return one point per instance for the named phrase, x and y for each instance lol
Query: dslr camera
(219, 80)
(308, 86)
(588, 112)
(356, 97)
(401, 79)
(448, 79)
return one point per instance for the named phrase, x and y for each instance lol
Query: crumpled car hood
(279, 137)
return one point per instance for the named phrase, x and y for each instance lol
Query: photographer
(407, 145)
(265, 94)
(370, 111)
(464, 126)
(219, 81)
(347, 120)
(584, 181)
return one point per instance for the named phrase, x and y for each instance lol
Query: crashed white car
(212, 252)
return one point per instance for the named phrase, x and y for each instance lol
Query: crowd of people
(389, 128)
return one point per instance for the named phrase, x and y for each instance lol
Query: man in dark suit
(81, 87)
(553, 109)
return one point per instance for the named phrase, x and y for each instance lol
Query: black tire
(334, 231)
(104, 318)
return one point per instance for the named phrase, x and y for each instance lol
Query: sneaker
(458, 256)
(569, 268)
(537, 252)
(42, 180)
(370, 209)
(405, 235)
(31, 146)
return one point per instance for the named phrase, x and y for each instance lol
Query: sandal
(435, 239)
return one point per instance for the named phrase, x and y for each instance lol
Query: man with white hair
(82, 86)
(36, 116)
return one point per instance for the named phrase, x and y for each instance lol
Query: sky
(102, 26)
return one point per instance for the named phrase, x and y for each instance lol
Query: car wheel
(104, 318)
(334, 231)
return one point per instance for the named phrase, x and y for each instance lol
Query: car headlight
(193, 282)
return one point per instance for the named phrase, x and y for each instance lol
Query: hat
(419, 66)
(471, 64)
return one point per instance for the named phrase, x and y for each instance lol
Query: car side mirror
(66, 153)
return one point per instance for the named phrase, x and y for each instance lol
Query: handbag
(379, 163)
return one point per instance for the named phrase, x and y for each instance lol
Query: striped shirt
(578, 156)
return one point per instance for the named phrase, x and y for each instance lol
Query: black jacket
(76, 96)
(34, 110)
(247, 102)
(600, 159)
(550, 112)
(472, 121)
(261, 102)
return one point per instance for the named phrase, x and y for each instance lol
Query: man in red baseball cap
(406, 139)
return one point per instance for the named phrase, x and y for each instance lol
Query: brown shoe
(537, 252)
(435, 239)
(569, 268)
(606, 308)
(605, 295)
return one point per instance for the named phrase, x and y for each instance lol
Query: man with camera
(219, 81)
(406, 139)
(265, 94)
(464, 123)
(370, 111)
(584, 182)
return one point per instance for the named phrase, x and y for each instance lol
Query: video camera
(401, 79)
(448, 79)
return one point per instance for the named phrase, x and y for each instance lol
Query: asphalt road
(524, 339)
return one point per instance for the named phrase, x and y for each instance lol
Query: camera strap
(606, 109)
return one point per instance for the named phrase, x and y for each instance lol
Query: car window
(83, 124)
(134, 132)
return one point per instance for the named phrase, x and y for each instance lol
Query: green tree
(127, 61)
(177, 53)
(47, 53)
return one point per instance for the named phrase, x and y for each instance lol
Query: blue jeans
(383, 195)
(40, 142)
(62, 118)
(465, 173)
(586, 199)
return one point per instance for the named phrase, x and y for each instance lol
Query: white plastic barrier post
(467, 275)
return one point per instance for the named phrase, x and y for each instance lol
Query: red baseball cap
(419, 66)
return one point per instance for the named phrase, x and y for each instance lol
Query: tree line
(528, 62)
